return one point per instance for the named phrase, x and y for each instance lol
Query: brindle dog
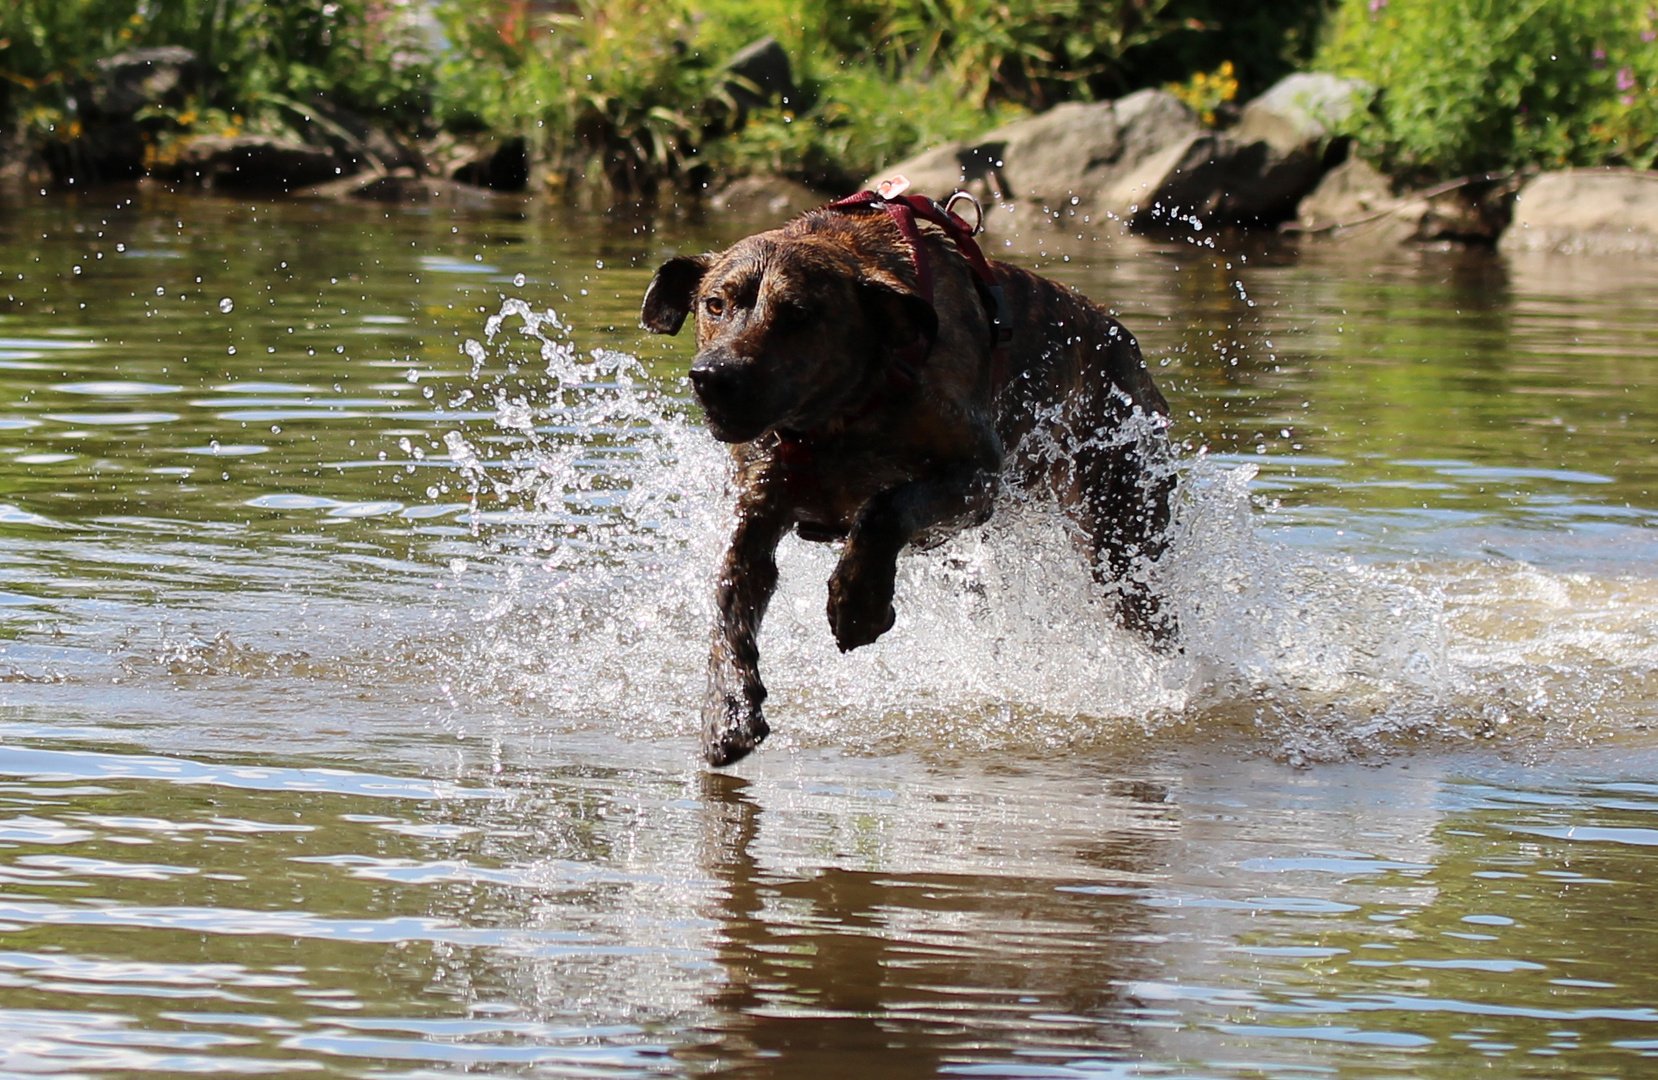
(859, 409)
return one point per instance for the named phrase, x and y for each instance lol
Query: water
(354, 575)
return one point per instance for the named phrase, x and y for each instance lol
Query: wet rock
(109, 141)
(1355, 204)
(356, 142)
(404, 187)
(1587, 212)
(764, 75)
(1143, 159)
(771, 198)
(101, 153)
(129, 81)
(501, 165)
(250, 163)
(1302, 113)
(1069, 156)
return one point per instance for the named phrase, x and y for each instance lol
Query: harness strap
(794, 449)
(904, 209)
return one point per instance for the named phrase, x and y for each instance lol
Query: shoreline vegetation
(657, 102)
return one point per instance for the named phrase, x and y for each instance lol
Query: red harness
(794, 450)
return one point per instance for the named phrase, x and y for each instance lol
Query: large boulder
(109, 138)
(764, 199)
(1144, 159)
(1302, 113)
(406, 187)
(129, 81)
(1061, 158)
(1356, 205)
(250, 163)
(1587, 212)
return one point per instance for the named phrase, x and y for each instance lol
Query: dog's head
(791, 329)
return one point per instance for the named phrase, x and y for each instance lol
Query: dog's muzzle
(727, 388)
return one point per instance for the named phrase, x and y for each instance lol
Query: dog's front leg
(861, 588)
(732, 721)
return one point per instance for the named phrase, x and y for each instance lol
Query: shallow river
(350, 653)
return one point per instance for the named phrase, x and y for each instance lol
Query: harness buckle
(978, 211)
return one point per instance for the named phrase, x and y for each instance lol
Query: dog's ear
(668, 300)
(900, 313)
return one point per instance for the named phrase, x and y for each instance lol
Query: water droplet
(159, 291)
(227, 305)
(519, 279)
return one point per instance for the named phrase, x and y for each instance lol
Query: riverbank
(776, 104)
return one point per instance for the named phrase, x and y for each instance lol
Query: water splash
(600, 511)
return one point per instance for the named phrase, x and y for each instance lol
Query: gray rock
(1302, 112)
(1212, 178)
(403, 186)
(767, 198)
(1586, 212)
(1143, 159)
(1355, 204)
(251, 162)
(763, 67)
(1063, 158)
(131, 80)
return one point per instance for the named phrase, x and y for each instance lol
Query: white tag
(892, 187)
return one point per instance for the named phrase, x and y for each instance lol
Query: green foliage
(252, 53)
(1470, 86)
(1264, 42)
(638, 89)
(614, 81)
(1030, 52)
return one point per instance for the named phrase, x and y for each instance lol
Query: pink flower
(1649, 35)
(1626, 80)
(1599, 56)
(1377, 5)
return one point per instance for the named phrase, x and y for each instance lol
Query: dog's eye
(715, 306)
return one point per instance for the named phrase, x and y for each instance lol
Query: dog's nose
(714, 383)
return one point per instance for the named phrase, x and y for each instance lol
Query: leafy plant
(1470, 86)
(362, 54)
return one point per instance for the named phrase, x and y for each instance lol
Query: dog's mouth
(732, 400)
(731, 430)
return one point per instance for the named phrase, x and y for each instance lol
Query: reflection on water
(825, 914)
(353, 597)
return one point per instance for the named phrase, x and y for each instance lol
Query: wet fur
(799, 331)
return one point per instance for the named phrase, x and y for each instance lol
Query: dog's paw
(858, 616)
(732, 728)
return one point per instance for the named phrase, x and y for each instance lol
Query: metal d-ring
(978, 210)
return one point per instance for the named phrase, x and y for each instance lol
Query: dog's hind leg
(733, 723)
(861, 588)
